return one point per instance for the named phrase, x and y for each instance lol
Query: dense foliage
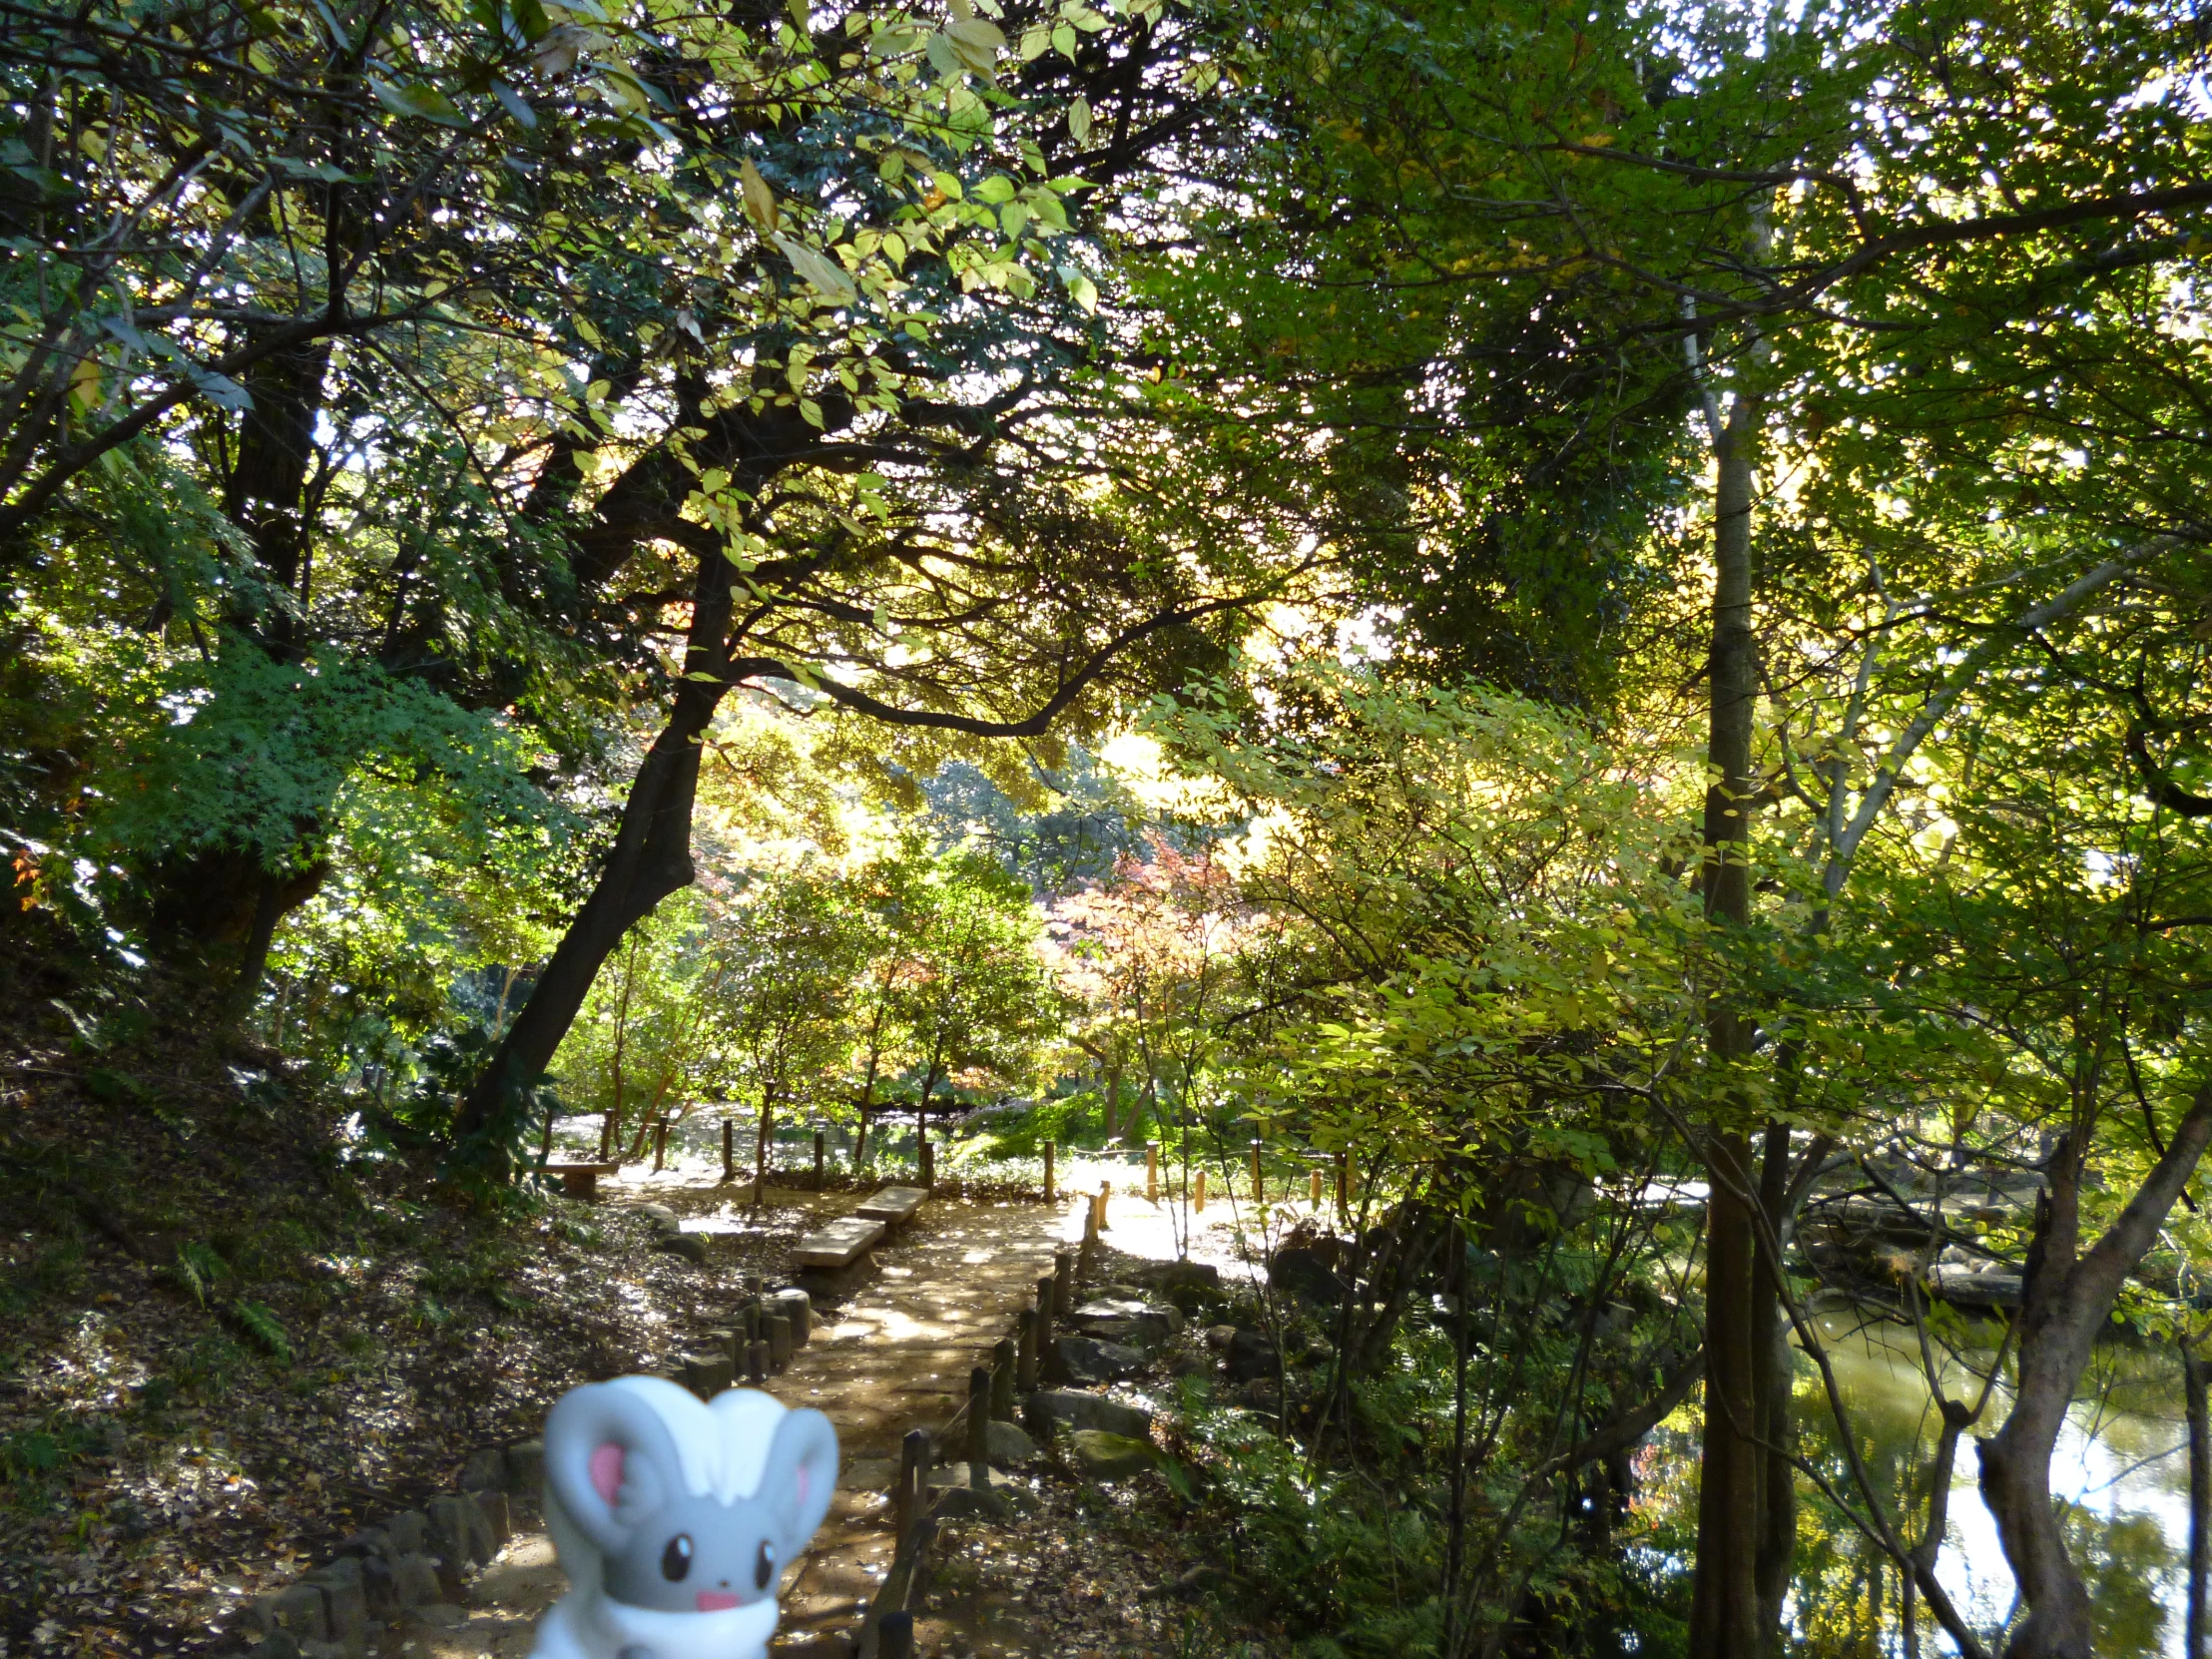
(1595, 618)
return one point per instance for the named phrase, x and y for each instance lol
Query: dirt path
(895, 1356)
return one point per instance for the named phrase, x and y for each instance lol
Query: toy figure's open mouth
(714, 1601)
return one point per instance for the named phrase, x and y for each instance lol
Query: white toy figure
(674, 1520)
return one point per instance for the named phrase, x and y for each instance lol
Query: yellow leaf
(760, 200)
(84, 386)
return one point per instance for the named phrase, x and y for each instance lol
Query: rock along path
(895, 1355)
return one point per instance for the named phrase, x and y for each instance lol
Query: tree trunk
(650, 860)
(1724, 1605)
(921, 1111)
(868, 1084)
(1724, 1602)
(610, 1130)
(1771, 1366)
(2194, 1371)
(2015, 1483)
(2066, 1299)
(761, 1139)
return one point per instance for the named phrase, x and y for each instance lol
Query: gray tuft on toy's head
(613, 1465)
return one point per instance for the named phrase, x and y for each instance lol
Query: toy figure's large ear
(800, 1478)
(610, 1461)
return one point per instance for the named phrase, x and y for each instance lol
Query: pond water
(2121, 1466)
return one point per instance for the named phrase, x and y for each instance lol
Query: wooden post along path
(979, 1427)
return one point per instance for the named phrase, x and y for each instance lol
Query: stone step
(839, 1244)
(893, 1205)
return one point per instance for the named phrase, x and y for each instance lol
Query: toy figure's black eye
(675, 1559)
(763, 1569)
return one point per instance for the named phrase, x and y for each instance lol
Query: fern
(260, 1324)
(199, 1267)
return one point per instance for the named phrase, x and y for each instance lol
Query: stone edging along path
(469, 1574)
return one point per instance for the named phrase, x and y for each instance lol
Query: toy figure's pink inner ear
(803, 1472)
(606, 1472)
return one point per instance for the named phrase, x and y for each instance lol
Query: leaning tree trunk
(2067, 1298)
(650, 860)
(1739, 1373)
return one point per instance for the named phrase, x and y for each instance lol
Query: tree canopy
(1595, 618)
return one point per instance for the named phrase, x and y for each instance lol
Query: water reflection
(2122, 1466)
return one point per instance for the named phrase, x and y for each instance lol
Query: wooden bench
(581, 1180)
(893, 1205)
(838, 1243)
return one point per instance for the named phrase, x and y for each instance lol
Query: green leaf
(977, 44)
(824, 272)
(418, 98)
(511, 101)
(1080, 287)
(1079, 121)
